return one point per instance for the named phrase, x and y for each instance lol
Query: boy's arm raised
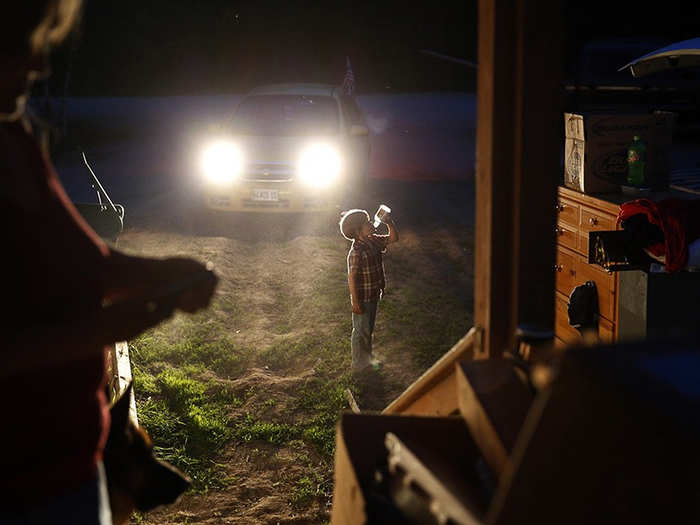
(393, 235)
(393, 232)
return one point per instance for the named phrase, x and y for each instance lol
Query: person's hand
(197, 296)
(200, 295)
(357, 309)
(125, 319)
(183, 284)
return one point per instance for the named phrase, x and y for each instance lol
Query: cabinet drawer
(568, 212)
(594, 220)
(565, 270)
(566, 236)
(605, 284)
(583, 243)
(606, 331)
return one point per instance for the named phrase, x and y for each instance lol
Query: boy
(365, 279)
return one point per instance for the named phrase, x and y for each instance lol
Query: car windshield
(283, 115)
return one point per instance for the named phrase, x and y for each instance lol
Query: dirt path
(282, 302)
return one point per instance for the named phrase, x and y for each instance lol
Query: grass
(185, 341)
(186, 407)
(249, 429)
(202, 390)
(306, 489)
(187, 421)
(429, 311)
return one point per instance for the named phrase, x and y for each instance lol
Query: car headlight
(221, 162)
(319, 165)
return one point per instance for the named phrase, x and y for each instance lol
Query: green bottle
(636, 162)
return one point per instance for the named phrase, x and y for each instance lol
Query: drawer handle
(559, 207)
(558, 267)
(559, 231)
(592, 221)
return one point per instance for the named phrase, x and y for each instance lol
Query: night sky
(174, 47)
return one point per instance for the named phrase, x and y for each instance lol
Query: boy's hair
(351, 221)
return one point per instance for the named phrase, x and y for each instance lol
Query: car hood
(259, 149)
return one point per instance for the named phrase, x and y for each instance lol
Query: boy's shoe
(360, 368)
(372, 366)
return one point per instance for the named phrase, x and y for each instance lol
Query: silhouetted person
(67, 295)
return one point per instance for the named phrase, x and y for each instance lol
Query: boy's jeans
(361, 338)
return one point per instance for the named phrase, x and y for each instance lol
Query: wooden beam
(517, 171)
(493, 289)
(494, 401)
(538, 143)
(351, 401)
(435, 392)
(348, 501)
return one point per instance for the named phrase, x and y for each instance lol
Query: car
(597, 82)
(288, 148)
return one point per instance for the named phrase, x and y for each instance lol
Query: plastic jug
(382, 213)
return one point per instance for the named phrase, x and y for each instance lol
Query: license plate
(265, 195)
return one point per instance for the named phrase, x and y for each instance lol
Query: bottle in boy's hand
(382, 215)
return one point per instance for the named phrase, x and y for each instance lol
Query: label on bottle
(635, 164)
(633, 156)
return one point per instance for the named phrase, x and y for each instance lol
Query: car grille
(269, 172)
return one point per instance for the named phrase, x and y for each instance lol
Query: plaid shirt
(366, 259)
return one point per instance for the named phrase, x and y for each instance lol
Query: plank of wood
(439, 400)
(494, 402)
(361, 454)
(536, 123)
(433, 393)
(448, 495)
(493, 236)
(351, 401)
(125, 377)
(348, 501)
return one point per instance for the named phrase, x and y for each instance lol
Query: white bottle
(382, 213)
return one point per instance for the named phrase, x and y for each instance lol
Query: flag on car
(349, 80)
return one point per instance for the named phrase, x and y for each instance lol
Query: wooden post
(538, 143)
(518, 154)
(493, 288)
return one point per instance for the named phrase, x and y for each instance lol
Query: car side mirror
(357, 130)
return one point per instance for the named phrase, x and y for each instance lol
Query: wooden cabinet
(577, 216)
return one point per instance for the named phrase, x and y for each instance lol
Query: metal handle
(592, 221)
(558, 267)
(559, 207)
(558, 231)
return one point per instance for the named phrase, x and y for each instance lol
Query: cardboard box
(443, 444)
(595, 149)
